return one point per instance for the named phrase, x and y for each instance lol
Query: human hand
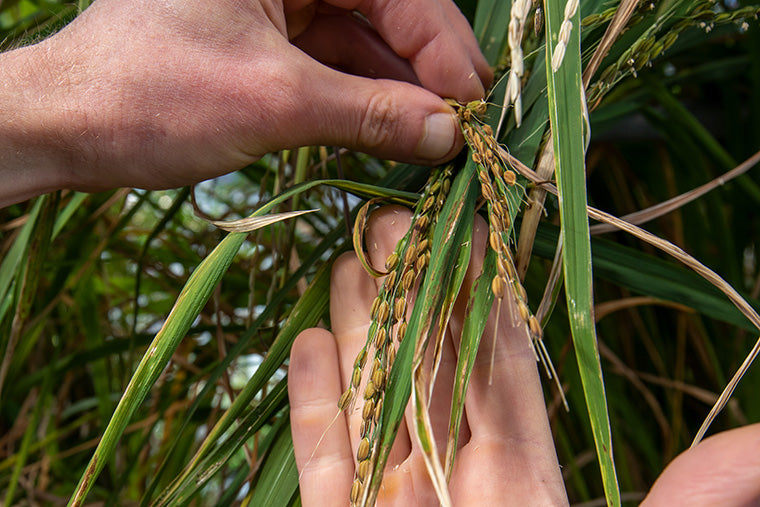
(164, 94)
(505, 448)
(723, 470)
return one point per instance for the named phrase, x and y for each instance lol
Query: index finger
(444, 57)
(504, 404)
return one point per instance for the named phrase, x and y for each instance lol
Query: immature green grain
(659, 37)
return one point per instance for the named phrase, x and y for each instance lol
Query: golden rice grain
(363, 452)
(383, 312)
(356, 490)
(368, 410)
(391, 262)
(498, 286)
(370, 391)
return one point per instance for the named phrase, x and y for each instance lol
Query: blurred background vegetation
(86, 282)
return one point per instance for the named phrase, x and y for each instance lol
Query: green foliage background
(87, 282)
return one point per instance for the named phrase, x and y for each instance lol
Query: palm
(507, 427)
(505, 446)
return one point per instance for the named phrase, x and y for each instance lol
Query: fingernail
(439, 136)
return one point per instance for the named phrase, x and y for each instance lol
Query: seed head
(524, 311)
(392, 354)
(421, 263)
(383, 312)
(407, 281)
(356, 491)
(505, 267)
(363, 452)
(409, 255)
(400, 332)
(390, 281)
(356, 378)
(361, 359)
(375, 305)
(378, 378)
(391, 262)
(345, 399)
(399, 308)
(364, 428)
(535, 326)
(487, 192)
(381, 338)
(496, 222)
(423, 246)
(521, 294)
(669, 39)
(494, 238)
(368, 411)
(428, 203)
(370, 390)
(362, 470)
(479, 144)
(422, 223)
(497, 286)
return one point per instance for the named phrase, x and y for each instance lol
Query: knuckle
(378, 125)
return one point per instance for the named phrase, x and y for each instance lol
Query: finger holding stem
(505, 409)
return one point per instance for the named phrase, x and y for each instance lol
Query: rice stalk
(496, 179)
(388, 326)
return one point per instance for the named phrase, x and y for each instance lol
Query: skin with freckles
(164, 94)
(505, 449)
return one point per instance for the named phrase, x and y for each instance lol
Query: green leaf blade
(568, 118)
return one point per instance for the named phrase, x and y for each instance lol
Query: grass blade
(278, 481)
(568, 117)
(479, 304)
(189, 303)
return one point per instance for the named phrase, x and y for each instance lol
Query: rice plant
(145, 349)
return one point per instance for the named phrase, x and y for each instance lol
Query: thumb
(722, 470)
(384, 118)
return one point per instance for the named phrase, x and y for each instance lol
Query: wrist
(35, 135)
